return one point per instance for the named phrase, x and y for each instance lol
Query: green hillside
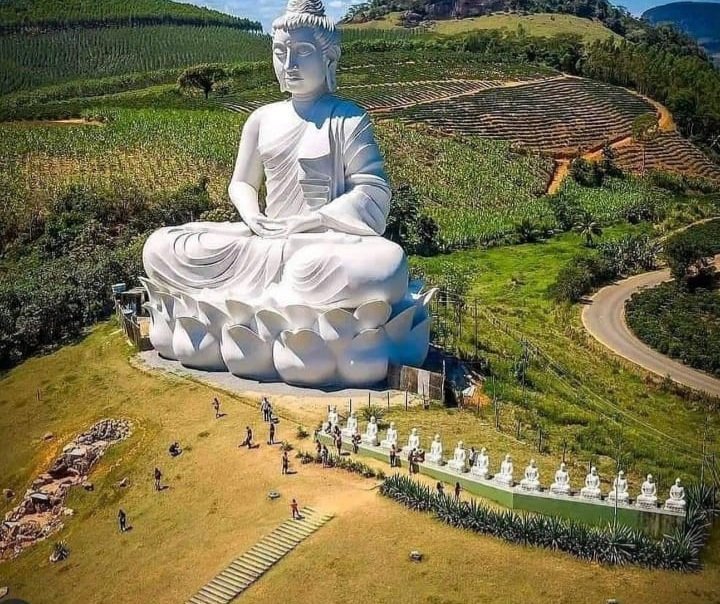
(55, 14)
(541, 24)
(29, 61)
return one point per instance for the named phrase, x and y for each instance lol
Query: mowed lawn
(217, 507)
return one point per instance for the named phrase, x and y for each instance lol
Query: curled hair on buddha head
(311, 13)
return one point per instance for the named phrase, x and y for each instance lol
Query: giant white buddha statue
(305, 289)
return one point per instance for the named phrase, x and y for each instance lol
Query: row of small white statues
(480, 467)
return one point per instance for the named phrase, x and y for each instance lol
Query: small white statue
(619, 491)
(436, 451)
(481, 467)
(676, 503)
(371, 432)
(648, 493)
(351, 428)
(561, 486)
(591, 490)
(531, 481)
(413, 440)
(332, 417)
(391, 437)
(458, 462)
(505, 476)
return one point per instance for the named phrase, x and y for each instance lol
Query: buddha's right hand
(257, 226)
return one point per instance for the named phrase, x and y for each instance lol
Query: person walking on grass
(122, 520)
(338, 444)
(440, 489)
(411, 461)
(285, 462)
(324, 456)
(272, 434)
(265, 409)
(393, 456)
(294, 508)
(248, 438)
(158, 478)
(216, 406)
(458, 488)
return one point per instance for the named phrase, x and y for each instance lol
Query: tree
(205, 77)
(408, 225)
(645, 128)
(607, 163)
(588, 227)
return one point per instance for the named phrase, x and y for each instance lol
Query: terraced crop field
(669, 152)
(384, 83)
(559, 116)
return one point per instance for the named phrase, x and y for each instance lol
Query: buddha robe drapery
(328, 163)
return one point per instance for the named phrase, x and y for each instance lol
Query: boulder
(48, 436)
(88, 486)
(8, 493)
(4, 591)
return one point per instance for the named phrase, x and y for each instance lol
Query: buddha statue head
(306, 49)
(483, 451)
(532, 463)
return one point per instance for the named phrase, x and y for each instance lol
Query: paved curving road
(604, 319)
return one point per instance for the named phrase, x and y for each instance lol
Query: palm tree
(588, 227)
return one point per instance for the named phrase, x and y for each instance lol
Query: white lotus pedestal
(295, 344)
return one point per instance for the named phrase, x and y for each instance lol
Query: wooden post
(406, 400)
(350, 412)
(388, 399)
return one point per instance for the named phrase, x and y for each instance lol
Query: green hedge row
(613, 545)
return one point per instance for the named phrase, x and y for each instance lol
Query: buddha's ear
(331, 75)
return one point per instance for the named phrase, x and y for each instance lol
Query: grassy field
(541, 24)
(598, 404)
(216, 506)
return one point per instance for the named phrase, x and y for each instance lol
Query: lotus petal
(373, 314)
(365, 361)
(153, 291)
(214, 317)
(413, 349)
(301, 357)
(240, 312)
(161, 331)
(245, 354)
(399, 326)
(269, 324)
(190, 304)
(170, 305)
(195, 346)
(300, 316)
(415, 286)
(337, 327)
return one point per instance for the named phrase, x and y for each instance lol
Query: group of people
(175, 449)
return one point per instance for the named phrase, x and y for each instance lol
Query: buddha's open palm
(278, 228)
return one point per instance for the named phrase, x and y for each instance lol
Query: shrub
(613, 544)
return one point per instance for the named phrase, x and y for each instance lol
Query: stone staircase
(249, 567)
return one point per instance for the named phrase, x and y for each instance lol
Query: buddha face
(299, 62)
